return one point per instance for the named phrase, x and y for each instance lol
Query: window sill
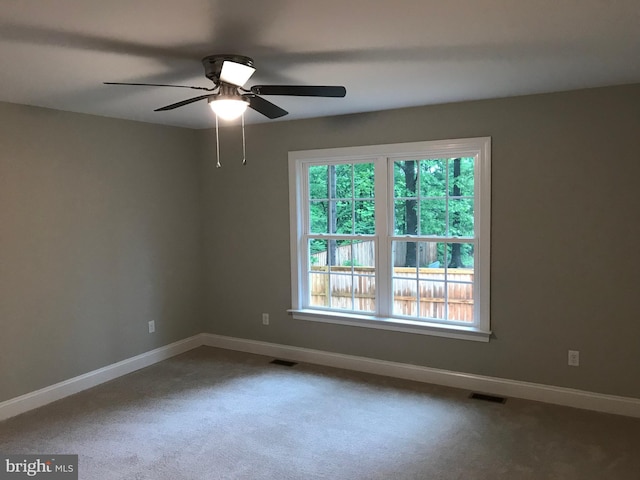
(395, 324)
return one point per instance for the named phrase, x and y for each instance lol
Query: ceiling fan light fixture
(236, 73)
(229, 108)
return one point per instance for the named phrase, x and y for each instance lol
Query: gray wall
(565, 257)
(100, 232)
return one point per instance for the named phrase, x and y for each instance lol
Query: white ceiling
(387, 53)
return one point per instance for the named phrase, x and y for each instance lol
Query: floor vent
(284, 363)
(487, 398)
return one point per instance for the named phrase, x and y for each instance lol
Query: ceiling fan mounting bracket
(226, 90)
(213, 64)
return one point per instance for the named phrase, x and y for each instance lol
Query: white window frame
(383, 157)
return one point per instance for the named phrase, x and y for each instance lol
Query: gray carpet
(216, 414)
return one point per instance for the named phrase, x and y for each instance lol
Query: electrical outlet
(265, 319)
(574, 358)
(152, 326)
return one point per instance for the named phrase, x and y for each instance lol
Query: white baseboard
(497, 386)
(39, 398)
(478, 383)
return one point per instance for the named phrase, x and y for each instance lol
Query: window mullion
(383, 220)
(448, 233)
(304, 227)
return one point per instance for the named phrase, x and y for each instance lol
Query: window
(393, 236)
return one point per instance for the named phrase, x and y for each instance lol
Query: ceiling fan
(229, 99)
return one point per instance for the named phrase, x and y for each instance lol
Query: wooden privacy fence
(363, 253)
(356, 290)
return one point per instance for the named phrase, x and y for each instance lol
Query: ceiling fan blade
(159, 85)
(265, 107)
(300, 90)
(182, 103)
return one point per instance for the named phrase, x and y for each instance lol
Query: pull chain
(244, 145)
(217, 144)
(244, 148)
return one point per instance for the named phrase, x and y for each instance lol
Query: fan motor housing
(213, 64)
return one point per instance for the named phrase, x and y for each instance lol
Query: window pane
(318, 181)
(364, 288)
(351, 261)
(343, 180)
(432, 261)
(461, 217)
(342, 212)
(364, 256)
(432, 178)
(405, 259)
(405, 179)
(317, 252)
(363, 180)
(432, 299)
(398, 190)
(405, 294)
(339, 255)
(433, 217)
(318, 273)
(318, 219)
(406, 217)
(341, 287)
(460, 301)
(460, 256)
(405, 273)
(318, 287)
(468, 255)
(398, 218)
(365, 217)
(461, 177)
